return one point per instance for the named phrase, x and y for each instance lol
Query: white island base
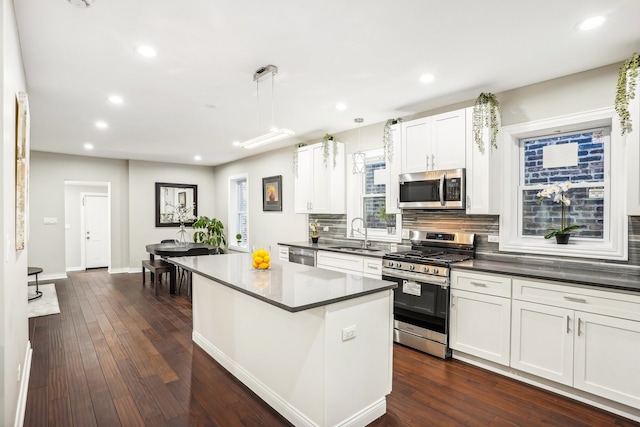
(299, 362)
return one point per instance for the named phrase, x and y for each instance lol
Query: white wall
(142, 203)
(14, 334)
(47, 199)
(73, 221)
(265, 228)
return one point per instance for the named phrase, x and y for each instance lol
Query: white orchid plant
(557, 192)
(314, 226)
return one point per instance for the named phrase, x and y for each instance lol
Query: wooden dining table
(168, 250)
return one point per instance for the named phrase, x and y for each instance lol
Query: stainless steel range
(421, 300)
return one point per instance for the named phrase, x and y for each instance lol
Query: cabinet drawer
(333, 260)
(591, 300)
(483, 283)
(372, 267)
(283, 253)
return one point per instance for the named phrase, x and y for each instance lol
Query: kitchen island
(314, 344)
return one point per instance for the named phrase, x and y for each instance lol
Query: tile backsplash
(481, 225)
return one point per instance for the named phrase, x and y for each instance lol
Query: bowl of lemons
(261, 259)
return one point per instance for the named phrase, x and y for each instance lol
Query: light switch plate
(405, 233)
(348, 333)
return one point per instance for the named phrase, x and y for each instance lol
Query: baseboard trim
(119, 270)
(24, 387)
(43, 277)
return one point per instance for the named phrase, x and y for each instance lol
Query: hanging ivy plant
(295, 158)
(486, 111)
(626, 90)
(325, 149)
(387, 138)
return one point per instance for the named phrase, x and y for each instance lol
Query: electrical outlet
(50, 221)
(325, 228)
(348, 333)
(494, 238)
(405, 233)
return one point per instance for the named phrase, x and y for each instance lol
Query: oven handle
(390, 274)
(442, 178)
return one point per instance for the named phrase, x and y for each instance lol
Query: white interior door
(96, 230)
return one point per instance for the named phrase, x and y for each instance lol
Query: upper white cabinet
(482, 174)
(320, 188)
(434, 142)
(633, 156)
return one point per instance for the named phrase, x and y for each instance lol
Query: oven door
(421, 299)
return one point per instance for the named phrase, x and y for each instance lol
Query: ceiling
(197, 95)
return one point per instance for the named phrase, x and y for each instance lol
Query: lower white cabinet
(542, 341)
(480, 315)
(347, 263)
(283, 253)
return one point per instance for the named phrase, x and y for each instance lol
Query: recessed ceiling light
(340, 106)
(147, 51)
(102, 125)
(197, 158)
(427, 78)
(591, 23)
(88, 146)
(236, 143)
(115, 99)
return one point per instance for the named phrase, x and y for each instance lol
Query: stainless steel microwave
(441, 189)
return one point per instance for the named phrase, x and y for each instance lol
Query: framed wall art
(272, 193)
(22, 169)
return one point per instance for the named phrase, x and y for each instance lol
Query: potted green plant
(486, 113)
(626, 90)
(557, 192)
(209, 231)
(239, 238)
(389, 219)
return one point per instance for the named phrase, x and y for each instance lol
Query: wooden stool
(31, 271)
(157, 267)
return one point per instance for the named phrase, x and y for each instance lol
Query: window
(366, 197)
(579, 149)
(238, 212)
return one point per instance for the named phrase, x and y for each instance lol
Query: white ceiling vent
(83, 4)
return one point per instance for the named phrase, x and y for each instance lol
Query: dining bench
(156, 267)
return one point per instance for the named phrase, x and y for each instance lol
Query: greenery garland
(325, 149)
(485, 115)
(626, 90)
(295, 158)
(387, 138)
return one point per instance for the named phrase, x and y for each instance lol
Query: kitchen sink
(356, 249)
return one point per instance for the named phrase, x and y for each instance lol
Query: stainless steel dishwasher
(302, 256)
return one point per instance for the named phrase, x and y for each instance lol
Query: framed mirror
(176, 202)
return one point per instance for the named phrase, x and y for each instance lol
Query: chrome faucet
(366, 242)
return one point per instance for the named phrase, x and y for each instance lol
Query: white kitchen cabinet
(393, 171)
(372, 267)
(483, 173)
(320, 188)
(434, 142)
(607, 350)
(480, 315)
(347, 263)
(633, 155)
(542, 341)
(283, 253)
(585, 338)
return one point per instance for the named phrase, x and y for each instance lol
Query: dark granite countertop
(620, 278)
(342, 247)
(292, 287)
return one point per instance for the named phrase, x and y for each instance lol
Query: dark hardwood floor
(118, 355)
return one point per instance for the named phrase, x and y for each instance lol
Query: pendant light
(358, 157)
(274, 134)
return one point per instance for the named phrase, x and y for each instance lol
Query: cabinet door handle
(372, 266)
(427, 162)
(579, 322)
(484, 285)
(573, 299)
(433, 162)
(453, 302)
(568, 324)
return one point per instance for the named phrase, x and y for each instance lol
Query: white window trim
(354, 205)
(615, 247)
(231, 214)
